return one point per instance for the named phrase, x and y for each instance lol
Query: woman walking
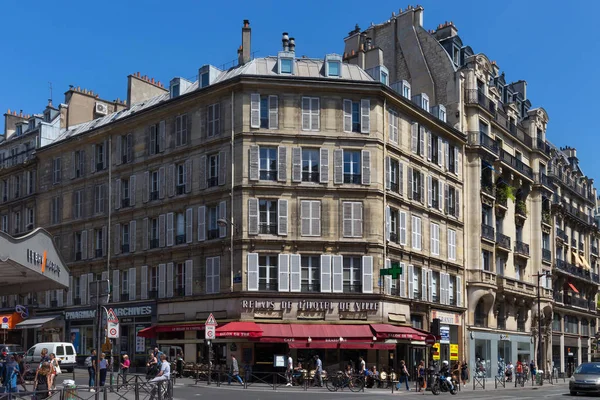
(421, 375)
(54, 369)
(125, 368)
(41, 383)
(103, 365)
(464, 372)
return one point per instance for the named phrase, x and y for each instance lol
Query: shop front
(451, 336)
(494, 349)
(133, 318)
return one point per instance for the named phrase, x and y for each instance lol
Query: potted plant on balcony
(521, 207)
(504, 192)
(546, 217)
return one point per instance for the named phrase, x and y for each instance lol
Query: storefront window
(416, 321)
(501, 319)
(585, 327)
(504, 353)
(483, 353)
(523, 351)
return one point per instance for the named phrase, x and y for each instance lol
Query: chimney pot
(246, 36)
(246, 23)
(8, 111)
(292, 44)
(285, 40)
(153, 80)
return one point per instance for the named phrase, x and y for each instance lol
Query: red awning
(149, 332)
(573, 288)
(276, 333)
(367, 346)
(239, 329)
(385, 331)
(313, 345)
(301, 332)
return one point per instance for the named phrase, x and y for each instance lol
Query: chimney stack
(292, 45)
(285, 40)
(246, 54)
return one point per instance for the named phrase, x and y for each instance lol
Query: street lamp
(539, 276)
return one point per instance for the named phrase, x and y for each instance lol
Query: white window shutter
(83, 288)
(117, 194)
(202, 170)
(189, 277)
(430, 284)
(403, 280)
(281, 163)
(252, 216)
(252, 272)
(209, 274)
(357, 219)
(387, 281)
(315, 218)
(388, 220)
(116, 292)
(421, 187)
(162, 136)
(132, 190)
(423, 284)
(170, 279)
(273, 112)
(337, 267)
(456, 203)
(429, 146)
(446, 155)
(216, 274)
(338, 166)
(60, 297)
(409, 188)
(459, 291)
(414, 137)
(295, 273)
(347, 219)
(70, 292)
(422, 141)
(325, 273)
(366, 167)
(170, 229)
(132, 284)
(117, 239)
(104, 240)
(429, 191)
(254, 110)
(441, 196)
(388, 173)
(324, 166)
(189, 225)
(201, 223)
(222, 172)
(162, 182)
(144, 283)
(402, 229)
(306, 113)
(365, 116)
(305, 226)
(84, 244)
(93, 159)
(347, 115)
(367, 274)
(254, 163)
(440, 150)
(161, 230)
(315, 111)
(146, 187)
(411, 281)
(459, 162)
(284, 273)
(296, 164)
(282, 217)
(172, 180)
(455, 166)
(188, 174)
(223, 216)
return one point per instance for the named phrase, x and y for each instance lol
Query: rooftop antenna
(50, 87)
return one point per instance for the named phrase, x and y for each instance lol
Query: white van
(64, 351)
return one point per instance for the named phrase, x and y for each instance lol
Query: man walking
(290, 369)
(318, 371)
(235, 371)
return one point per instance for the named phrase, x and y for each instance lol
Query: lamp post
(539, 332)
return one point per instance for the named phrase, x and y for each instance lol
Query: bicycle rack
(500, 381)
(478, 381)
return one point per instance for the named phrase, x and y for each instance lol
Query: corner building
(271, 195)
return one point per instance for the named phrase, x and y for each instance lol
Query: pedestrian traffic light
(435, 328)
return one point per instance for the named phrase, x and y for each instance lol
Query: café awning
(151, 331)
(585, 263)
(316, 332)
(245, 329)
(387, 331)
(576, 260)
(35, 322)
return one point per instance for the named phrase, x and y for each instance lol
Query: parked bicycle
(338, 381)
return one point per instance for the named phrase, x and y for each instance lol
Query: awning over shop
(35, 322)
(385, 331)
(239, 329)
(151, 331)
(313, 345)
(31, 264)
(325, 332)
(9, 321)
(573, 288)
(367, 346)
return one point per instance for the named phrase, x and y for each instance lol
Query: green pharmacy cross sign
(394, 271)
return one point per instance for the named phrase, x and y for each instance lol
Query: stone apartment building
(508, 229)
(270, 194)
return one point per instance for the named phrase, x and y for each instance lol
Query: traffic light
(435, 328)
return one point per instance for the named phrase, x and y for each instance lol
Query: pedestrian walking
(91, 362)
(289, 370)
(404, 375)
(464, 372)
(318, 379)
(102, 365)
(41, 383)
(421, 375)
(125, 367)
(235, 371)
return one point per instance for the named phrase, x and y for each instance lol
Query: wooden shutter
(429, 145)
(366, 167)
(170, 229)
(446, 155)
(387, 281)
(325, 280)
(337, 275)
(119, 146)
(430, 284)
(252, 272)
(284, 273)
(456, 203)
(422, 141)
(338, 166)
(409, 187)
(162, 136)
(414, 137)
(429, 191)
(440, 150)
(357, 219)
(161, 183)
(403, 280)
(315, 219)
(170, 279)
(188, 175)
(83, 288)
(388, 173)
(273, 112)
(145, 238)
(93, 159)
(296, 164)
(189, 219)
(117, 194)
(116, 292)
(161, 230)
(146, 187)
(254, 163)
(440, 196)
(162, 272)
(117, 239)
(132, 236)
(347, 115)
(202, 172)
(365, 116)
(132, 284)
(315, 110)
(252, 216)
(281, 163)
(411, 281)
(144, 283)
(104, 241)
(306, 113)
(201, 223)
(223, 216)
(388, 221)
(347, 219)
(459, 291)
(132, 190)
(172, 179)
(421, 186)
(402, 229)
(455, 166)
(282, 217)
(254, 110)
(446, 198)
(222, 173)
(367, 274)
(400, 178)
(295, 273)
(210, 263)
(189, 279)
(324, 165)
(70, 292)
(129, 147)
(305, 215)
(423, 284)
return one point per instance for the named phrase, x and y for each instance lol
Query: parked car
(7, 349)
(64, 351)
(585, 379)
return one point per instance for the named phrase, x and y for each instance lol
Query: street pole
(208, 343)
(98, 338)
(539, 360)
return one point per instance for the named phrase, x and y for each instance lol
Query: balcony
(547, 255)
(310, 287)
(516, 286)
(487, 232)
(521, 209)
(153, 294)
(78, 256)
(154, 195)
(124, 203)
(268, 286)
(265, 229)
(521, 248)
(265, 175)
(154, 243)
(349, 288)
(558, 175)
(213, 234)
(516, 164)
(480, 276)
(352, 178)
(542, 179)
(180, 189)
(576, 271)
(394, 187)
(512, 128)
(394, 237)
(125, 248)
(477, 138)
(311, 177)
(180, 239)
(488, 188)
(560, 234)
(503, 241)
(579, 215)
(542, 146)
(98, 253)
(475, 96)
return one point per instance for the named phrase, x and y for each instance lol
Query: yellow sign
(453, 352)
(435, 351)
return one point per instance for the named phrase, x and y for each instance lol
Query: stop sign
(430, 340)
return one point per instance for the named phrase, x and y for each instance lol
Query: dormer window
(47, 116)
(178, 86)
(285, 66)
(333, 68)
(31, 125)
(422, 100)
(455, 55)
(383, 77)
(19, 131)
(204, 80)
(175, 90)
(439, 111)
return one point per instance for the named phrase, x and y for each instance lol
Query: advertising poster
(453, 352)
(140, 342)
(75, 338)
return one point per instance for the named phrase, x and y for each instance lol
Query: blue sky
(550, 44)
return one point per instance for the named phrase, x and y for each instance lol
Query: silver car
(585, 379)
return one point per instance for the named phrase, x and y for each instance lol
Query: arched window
(480, 314)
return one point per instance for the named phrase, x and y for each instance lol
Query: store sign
(447, 318)
(444, 334)
(435, 351)
(133, 311)
(505, 337)
(40, 260)
(453, 352)
(314, 306)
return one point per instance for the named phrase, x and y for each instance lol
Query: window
(213, 274)
(416, 321)
(435, 286)
(453, 159)
(154, 185)
(55, 210)
(5, 190)
(213, 170)
(406, 89)
(383, 77)
(204, 79)
(434, 150)
(435, 239)
(500, 263)
(311, 273)
(153, 282)
(571, 324)
(56, 169)
(310, 214)
(310, 113)
(29, 218)
(394, 179)
(310, 165)
(181, 178)
(30, 182)
(353, 219)
(180, 233)
(213, 119)
(556, 323)
(99, 199)
(285, 65)
(402, 227)
(155, 139)
(455, 55)
(480, 314)
(98, 242)
(355, 116)
(180, 279)
(452, 287)
(451, 245)
(486, 260)
(393, 126)
(264, 111)
(17, 187)
(416, 233)
(267, 272)
(17, 221)
(393, 225)
(174, 90)
(100, 156)
(78, 246)
(125, 194)
(334, 68)
(416, 283)
(352, 275)
(268, 163)
(181, 123)
(435, 193)
(213, 227)
(453, 205)
(352, 170)
(484, 128)
(126, 150)
(19, 130)
(124, 282)
(4, 224)
(125, 238)
(519, 272)
(417, 184)
(267, 216)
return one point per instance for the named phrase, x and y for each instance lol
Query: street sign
(395, 270)
(112, 317)
(211, 320)
(113, 328)
(209, 332)
(430, 340)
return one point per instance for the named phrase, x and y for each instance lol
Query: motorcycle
(444, 384)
